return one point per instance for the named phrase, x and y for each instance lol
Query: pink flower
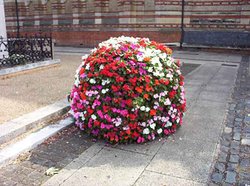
(108, 118)
(99, 112)
(140, 140)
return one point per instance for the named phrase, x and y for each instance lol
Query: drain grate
(229, 65)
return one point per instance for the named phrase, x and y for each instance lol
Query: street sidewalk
(185, 158)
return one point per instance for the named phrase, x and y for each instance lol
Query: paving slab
(217, 96)
(203, 128)
(209, 109)
(75, 165)
(110, 167)
(192, 91)
(186, 159)
(204, 73)
(149, 178)
(219, 87)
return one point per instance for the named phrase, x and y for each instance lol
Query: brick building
(87, 22)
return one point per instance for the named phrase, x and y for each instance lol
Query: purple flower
(95, 132)
(83, 75)
(133, 46)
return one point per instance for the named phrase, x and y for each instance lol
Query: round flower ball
(128, 90)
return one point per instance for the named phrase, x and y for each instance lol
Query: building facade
(88, 22)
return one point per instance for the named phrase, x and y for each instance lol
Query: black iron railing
(26, 49)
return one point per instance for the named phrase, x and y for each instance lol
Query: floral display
(128, 89)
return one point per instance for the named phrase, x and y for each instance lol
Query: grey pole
(182, 22)
(17, 19)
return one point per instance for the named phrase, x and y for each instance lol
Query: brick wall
(87, 22)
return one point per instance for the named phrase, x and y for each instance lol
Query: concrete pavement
(185, 158)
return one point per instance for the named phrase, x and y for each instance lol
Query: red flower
(152, 112)
(128, 131)
(148, 88)
(129, 102)
(90, 75)
(97, 123)
(82, 71)
(126, 87)
(115, 88)
(132, 116)
(166, 82)
(172, 94)
(105, 108)
(181, 77)
(147, 79)
(139, 89)
(133, 81)
(119, 79)
(157, 82)
(90, 111)
(146, 96)
(122, 65)
(83, 96)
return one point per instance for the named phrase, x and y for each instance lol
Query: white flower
(139, 57)
(143, 108)
(87, 67)
(92, 81)
(178, 120)
(117, 124)
(159, 131)
(101, 67)
(77, 82)
(93, 50)
(150, 69)
(163, 55)
(125, 128)
(168, 124)
(146, 131)
(167, 102)
(156, 103)
(103, 91)
(84, 57)
(82, 116)
(160, 68)
(155, 60)
(156, 73)
(152, 126)
(147, 109)
(93, 117)
(161, 74)
(175, 87)
(156, 96)
(170, 76)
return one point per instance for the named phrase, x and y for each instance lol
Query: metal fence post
(182, 22)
